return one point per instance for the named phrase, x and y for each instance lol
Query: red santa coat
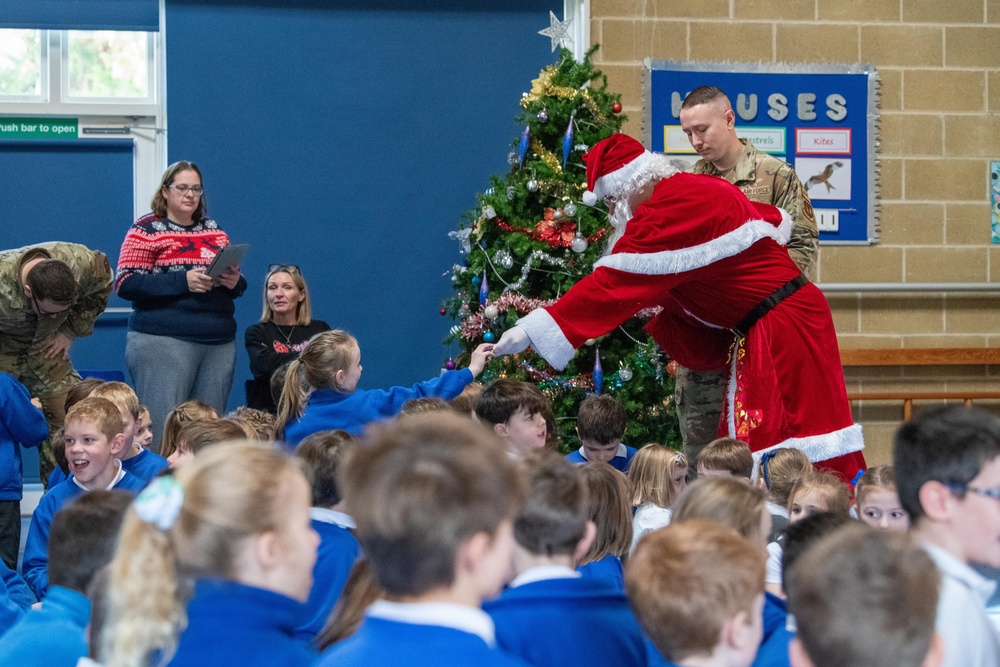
(707, 255)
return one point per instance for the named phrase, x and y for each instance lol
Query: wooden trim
(933, 356)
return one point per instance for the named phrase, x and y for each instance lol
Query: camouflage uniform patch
(699, 397)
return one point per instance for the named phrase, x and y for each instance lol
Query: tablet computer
(228, 257)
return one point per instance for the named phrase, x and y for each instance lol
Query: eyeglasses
(961, 489)
(47, 313)
(196, 190)
(287, 268)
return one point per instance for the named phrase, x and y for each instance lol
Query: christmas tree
(530, 238)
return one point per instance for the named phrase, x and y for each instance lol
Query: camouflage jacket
(20, 329)
(768, 180)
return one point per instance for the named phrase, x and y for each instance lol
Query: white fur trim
(632, 176)
(547, 338)
(822, 447)
(589, 198)
(686, 259)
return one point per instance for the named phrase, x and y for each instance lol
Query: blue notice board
(818, 118)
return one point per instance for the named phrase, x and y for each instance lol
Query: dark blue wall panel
(349, 141)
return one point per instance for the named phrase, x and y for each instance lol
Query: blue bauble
(489, 337)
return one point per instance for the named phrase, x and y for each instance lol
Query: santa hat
(611, 164)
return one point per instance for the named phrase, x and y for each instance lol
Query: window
(107, 64)
(21, 71)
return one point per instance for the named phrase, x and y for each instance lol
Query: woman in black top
(285, 327)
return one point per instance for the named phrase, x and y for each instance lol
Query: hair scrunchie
(160, 502)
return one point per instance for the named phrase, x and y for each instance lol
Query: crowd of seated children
(214, 564)
(516, 413)
(92, 436)
(322, 455)
(434, 498)
(697, 588)
(865, 597)
(947, 468)
(653, 474)
(600, 425)
(197, 435)
(21, 423)
(139, 461)
(813, 492)
(187, 411)
(258, 424)
(777, 473)
(609, 506)
(82, 541)
(552, 531)
(418, 406)
(725, 457)
(877, 501)
(330, 365)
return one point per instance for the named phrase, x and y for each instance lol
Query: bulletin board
(821, 119)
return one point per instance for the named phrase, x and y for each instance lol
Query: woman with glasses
(286, 325)
(181, 342)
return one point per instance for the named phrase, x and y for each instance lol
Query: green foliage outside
(107, 63)
(20, 62)
(517, 240)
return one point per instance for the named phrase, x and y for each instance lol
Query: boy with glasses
(947, 464)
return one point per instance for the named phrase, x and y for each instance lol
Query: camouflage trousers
(49, 380)
(698, 396)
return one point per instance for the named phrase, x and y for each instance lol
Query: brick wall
(939, 64)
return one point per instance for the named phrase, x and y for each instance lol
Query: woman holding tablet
(285, 326)
(181, 336)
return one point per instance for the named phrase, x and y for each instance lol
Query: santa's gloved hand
(512, 341)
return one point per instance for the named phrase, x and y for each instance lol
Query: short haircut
(780, 468)
(554, 517)
(81, 390)
(120, 394)
(726, 500)
(417, 406)
(195, 436)
(609, 500)
(829, 486)
(728, 454)
(466, 401)
(686, 580)
(322, 455)
(52, 280)
(83, 537)
(259, 424)
(651, 473)
(878, 478)
(99, 411)
(601, 419)
(801, 535)
(704, 95)
(865, 597)
(420, 489)
(503, 398)
(184, 413)
(948, 445)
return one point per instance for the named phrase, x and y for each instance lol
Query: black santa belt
(768, 304)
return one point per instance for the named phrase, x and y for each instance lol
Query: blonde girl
(184, 413)
(321, 388)
(651, 473)
(877, 500)
(609, 497)
(213, 565)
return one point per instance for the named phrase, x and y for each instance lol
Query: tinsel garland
(542, 87)
(535, 258)
(547, 156)
(583, 381)
(554, 242)
(476, 324)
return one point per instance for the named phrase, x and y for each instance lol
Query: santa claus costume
(730, 295)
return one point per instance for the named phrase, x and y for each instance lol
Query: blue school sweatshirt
(621, 461)
(392, 643)
(35, 565)
(595, 625)
(608, 568)
(145, 465)
(327, 409)
(234, 624)
(53, 635)
(337, 553)
(773, 651)
(21, 423)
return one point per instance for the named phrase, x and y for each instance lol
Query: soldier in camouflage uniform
(708, 120)
(38, 325)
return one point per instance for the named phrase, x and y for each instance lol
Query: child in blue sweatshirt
(321, 388)
(434, 497)
(138, 460)
(93, 436)
(233, 527)
(21, 423)
(595, 625)
(600, 425)
(321, 455)
(83, 540)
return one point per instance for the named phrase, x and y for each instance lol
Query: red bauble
(672, 368)
(443, 311)
(616, 107)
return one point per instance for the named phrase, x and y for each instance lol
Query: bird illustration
(824, 176)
